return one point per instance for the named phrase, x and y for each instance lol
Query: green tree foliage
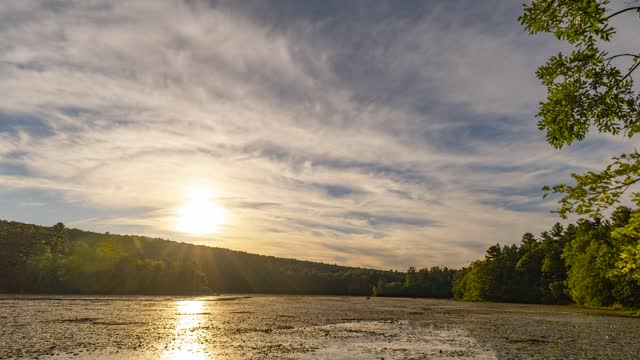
(470, 283)
(587, 266)
(578, 263)
(59, 242)
(553, 270)
(629, 261)
(60, 260)
(589, 88)
(434, 282)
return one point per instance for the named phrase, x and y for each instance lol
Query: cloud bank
(383, 136)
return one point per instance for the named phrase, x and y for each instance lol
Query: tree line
(585, 263)
(592, 262)
(589, 263)
(37, 259)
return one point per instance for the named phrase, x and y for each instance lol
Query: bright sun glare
(199, 214)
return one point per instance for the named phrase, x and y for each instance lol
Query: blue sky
(368, 133)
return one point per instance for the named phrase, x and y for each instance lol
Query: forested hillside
(59, 260)
(589, 263)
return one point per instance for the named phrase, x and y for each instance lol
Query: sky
(379, 134)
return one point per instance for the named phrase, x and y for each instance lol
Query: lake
(306, 327)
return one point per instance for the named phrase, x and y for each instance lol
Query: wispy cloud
(384, 135)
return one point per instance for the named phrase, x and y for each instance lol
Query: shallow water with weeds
(306, 327)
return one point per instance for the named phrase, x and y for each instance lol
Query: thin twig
(620, 55)
(633, 68)
(636, 8)
(595, 196)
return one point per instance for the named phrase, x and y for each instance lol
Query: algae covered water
(306, 327)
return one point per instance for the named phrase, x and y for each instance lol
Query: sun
(199, 214)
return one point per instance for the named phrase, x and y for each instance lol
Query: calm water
(306, 327)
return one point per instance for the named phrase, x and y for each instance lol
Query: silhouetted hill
(55, 259)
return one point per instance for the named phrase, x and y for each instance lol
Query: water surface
(306, 327)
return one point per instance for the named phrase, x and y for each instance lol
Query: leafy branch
(597, 191)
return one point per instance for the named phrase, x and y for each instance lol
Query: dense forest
(581, 263)
(435, 282)
(591, 263)
(588, 263)
(36, 259)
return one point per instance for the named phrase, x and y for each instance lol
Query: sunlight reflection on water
(186, 343)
